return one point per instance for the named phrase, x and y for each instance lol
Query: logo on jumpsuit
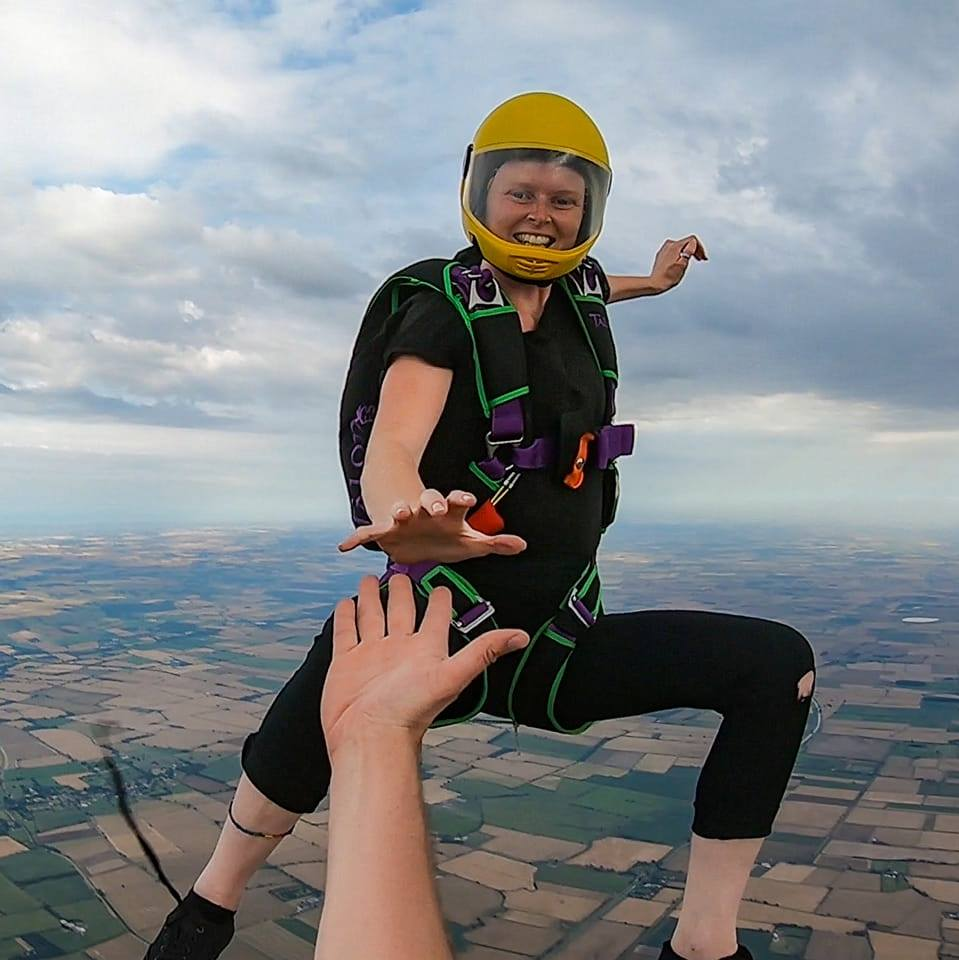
(476, 287)
(360, 429)
(585, 278)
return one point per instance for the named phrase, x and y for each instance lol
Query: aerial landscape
(169, 647)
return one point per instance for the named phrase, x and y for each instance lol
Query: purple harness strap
(612, 441)
(466, 621)
(415, 571)
(506, 424)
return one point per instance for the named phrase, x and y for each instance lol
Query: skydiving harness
(501, 382)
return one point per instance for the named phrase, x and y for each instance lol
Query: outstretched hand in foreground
(435, 529)
(386, 676)
(386, 684)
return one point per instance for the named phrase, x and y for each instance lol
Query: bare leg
(715, 883)
(238, 856)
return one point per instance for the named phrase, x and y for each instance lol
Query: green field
(100, 923)
(584, 878)
(43, 775)
(286, 667)
(530, 743)
(468, 787)
(933, 712)
(264, 683)
(458, 821)
(303, 930)
(33, 865)
(13, 899)
(543, 812)
(30, 921)
(60, 890)
(225, 770)
(61, 817)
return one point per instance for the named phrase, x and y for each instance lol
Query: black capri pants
(746, 669)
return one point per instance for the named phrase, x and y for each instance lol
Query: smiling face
(536, 204)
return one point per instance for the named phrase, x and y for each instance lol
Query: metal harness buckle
(579, 610)
(467, 626)
(492, 444)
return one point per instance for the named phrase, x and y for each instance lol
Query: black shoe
(189, 933)
(668, 953)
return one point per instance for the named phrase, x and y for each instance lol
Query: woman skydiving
(479, 448)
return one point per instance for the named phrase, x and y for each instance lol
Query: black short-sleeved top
(561, 526)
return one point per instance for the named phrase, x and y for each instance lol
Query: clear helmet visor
(536, 197)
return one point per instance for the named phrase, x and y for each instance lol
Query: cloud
(198, 199)
(308, 267)
(83, 404)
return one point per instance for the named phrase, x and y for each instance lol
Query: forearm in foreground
(381, 898)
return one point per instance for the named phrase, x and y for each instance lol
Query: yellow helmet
(534, 188)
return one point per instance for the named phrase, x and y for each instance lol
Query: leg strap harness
(537, 677)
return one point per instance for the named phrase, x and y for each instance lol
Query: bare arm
(628, 288)
(409, 521)
(412, 398)
(385, 686)
(381, 898)
(669, 268)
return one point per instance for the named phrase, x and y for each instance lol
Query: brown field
(533, 919)
(766, 914)
(520, 769)
(890, 946)
(933, 840)
(642, 913)
(789, 872)
(822, 816)
(10, 846)
(600, 941)
(122, 948)
(517, 937)
(132, 893)
(851, 748)
(835, 946)
(845, 849)
(464, 902)
(887, 818)
(946, 891)
(616, 853)
(793, 896)
(20, 746)
(273, 941)
(527, 846)
(583, 770)
(674, 748)
(76, 745)
(563, 903)
(491, 870)
(313, 873)
(863, 905)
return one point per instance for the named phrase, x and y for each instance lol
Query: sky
(198, 197)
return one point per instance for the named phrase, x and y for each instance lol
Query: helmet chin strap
(524, 280)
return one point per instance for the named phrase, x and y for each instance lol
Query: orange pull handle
(574, 478)
(486, 519)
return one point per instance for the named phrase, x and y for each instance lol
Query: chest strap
(612, 441)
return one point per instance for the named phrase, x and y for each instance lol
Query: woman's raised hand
(435, 528)
(672, 259)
